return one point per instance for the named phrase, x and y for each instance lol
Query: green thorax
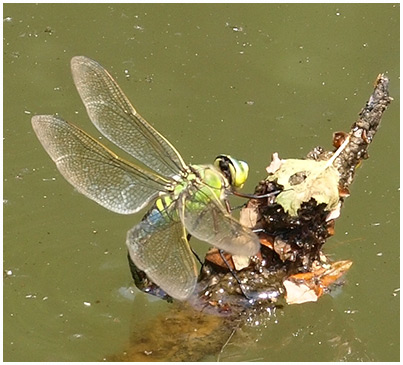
(203, 182)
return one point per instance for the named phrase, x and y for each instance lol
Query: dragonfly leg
(252, 296)
(233, 273)
(228, 206)
(231, 209)
(260, 230)
(252, 196)
(189, 236)
(238, 207)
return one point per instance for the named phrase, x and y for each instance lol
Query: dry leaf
(308, 287)
(299, 293)
(248, 217)
(240, 262)
(306, 179)
(274, 164)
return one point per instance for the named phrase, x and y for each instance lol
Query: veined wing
(94, 170)
(158, 246)
(205, 217)
(114, 116)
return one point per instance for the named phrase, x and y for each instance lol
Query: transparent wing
(158, 246)
(206, 218)
(114, 116)
(94, 170)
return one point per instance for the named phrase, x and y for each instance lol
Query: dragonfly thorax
(210, 178)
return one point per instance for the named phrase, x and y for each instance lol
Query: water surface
(246, 80)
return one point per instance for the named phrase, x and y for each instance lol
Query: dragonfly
(185, 199)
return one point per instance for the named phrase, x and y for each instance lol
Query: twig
(227, 342)
(363, 131)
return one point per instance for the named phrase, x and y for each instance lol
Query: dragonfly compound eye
(235, 171)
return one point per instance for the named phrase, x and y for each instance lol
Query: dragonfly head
(235, 171)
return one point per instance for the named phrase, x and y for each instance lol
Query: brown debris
(308, 287)
(292, 243)
(291, 267)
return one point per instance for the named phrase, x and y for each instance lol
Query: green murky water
(247, 80)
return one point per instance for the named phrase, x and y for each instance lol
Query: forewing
(94, 170)
(158, 246)
(206, 218)
(114, 116)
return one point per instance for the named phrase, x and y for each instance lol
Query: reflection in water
(185, 334)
